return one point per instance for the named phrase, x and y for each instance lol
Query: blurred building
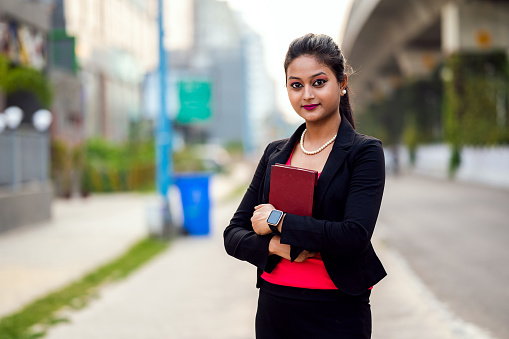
(214, 56)
(25, 193)
(263, 120)
(68, 121)
(83, 60)
(116, 44)
(211, 49)
(23, 29)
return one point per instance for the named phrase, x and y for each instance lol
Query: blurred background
(172, 102)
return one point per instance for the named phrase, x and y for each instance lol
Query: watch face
(274, 217)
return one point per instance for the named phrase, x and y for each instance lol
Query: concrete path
(195, 290)
(82, 235)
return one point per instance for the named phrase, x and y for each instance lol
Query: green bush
(410, 114)
(411, 137)
(465, 101)
(61, 168)
(21, 78)
(187, 160)
(113, 167)
(476, 101)
(102, 166)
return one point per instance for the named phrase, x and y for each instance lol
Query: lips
(310, 107)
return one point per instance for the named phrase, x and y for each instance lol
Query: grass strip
(33, 320)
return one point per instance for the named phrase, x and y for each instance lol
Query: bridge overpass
(388, 40)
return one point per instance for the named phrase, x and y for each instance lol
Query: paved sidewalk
(82, 235)
(195, 290)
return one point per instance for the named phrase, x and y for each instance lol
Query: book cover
(292, 189)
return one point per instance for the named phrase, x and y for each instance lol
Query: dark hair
(327, 52)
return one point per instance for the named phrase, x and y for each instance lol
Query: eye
(296, 85)
(319, 82)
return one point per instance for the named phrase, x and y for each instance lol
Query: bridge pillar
(475, 26)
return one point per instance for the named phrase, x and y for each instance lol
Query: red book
(292, 189)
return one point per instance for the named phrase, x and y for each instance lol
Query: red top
(308, 274)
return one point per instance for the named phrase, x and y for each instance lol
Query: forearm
(240, 240)
(284, 251)
(275, 246)
(338, 238)
(248, 246)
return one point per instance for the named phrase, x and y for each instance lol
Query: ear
(344, 83)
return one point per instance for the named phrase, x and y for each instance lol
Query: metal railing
(24, 157)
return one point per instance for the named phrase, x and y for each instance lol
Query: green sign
(195, 101)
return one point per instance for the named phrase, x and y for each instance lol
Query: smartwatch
(274, 219)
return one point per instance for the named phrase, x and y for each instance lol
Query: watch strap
(274, 229)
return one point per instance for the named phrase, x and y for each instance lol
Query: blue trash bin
(194, 191)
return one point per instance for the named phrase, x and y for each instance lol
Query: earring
(343, 91)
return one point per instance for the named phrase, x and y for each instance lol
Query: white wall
(488, 165)
(484, 165)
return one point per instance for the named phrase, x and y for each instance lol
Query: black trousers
(293, 313)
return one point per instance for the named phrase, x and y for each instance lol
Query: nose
(308, 93)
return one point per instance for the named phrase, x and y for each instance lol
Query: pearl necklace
(318, 150)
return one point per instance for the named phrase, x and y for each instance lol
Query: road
(455, 236)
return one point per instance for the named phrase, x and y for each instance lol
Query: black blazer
(346, 204)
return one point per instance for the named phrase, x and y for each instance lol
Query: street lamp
(2, 122)
(13, 117)
(42, 119)
(11, 120)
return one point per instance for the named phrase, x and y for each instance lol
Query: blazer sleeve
(352, 235)
(240, 240)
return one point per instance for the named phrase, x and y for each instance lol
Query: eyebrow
(314, 75)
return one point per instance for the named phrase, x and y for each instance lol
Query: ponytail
(345, 109)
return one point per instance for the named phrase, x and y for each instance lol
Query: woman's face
(313, 90)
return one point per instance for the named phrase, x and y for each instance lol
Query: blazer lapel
(337, 156)
(280, 156)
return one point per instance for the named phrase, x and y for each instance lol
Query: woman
(315, 273)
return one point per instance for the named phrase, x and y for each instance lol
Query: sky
(280, 21)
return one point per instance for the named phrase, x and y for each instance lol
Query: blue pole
(15, 160)
(163, 131)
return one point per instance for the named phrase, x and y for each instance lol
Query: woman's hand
(259, 219)
(283, 250)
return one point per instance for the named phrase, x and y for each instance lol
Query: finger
(259, 206)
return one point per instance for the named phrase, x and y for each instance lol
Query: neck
(322, 131)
